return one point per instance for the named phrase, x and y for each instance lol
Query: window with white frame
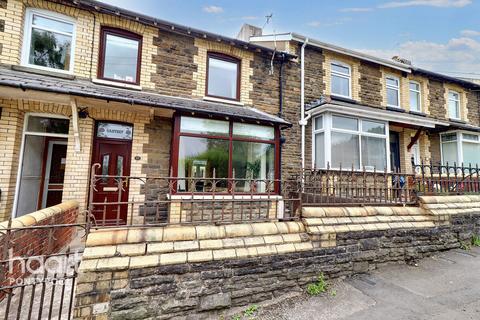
(415, 96)
(453, 104)
(48, 40)
(460, 148)
(341, 79)
(347, 142)
(393, 91)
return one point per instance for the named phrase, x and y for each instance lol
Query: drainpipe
(303, 121)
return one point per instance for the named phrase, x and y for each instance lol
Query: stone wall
(174, 64)
(473, 108)
(438, 107)
(370, 84)
(205, 272)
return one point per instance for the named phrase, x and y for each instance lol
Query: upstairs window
(120, 56)
(415, 104)
(223, 77)
(341, 79)
(48, 41)
(453, 104)
(393, 91)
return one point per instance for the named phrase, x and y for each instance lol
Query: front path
(445, 286)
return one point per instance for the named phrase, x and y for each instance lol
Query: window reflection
(222, 78)
(200, 158)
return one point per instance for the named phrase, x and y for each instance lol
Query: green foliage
(316, 288)
(476, 240)
(237, 317)
(465, 246)
(250, 311)
(333, 293)
(48, 50)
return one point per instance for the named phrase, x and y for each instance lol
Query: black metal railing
(356, 187)
(441, 179)
(140, 201)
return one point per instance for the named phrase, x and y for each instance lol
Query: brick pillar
(11, 128)
(77, 168)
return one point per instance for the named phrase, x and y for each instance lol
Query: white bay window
(346, 142)
(460, 148)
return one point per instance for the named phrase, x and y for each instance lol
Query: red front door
(114, 157)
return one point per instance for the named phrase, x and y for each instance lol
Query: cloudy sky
(440, 35)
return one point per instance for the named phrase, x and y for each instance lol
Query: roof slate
(85, 88)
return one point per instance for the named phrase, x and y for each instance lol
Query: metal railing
(172, 200)
(441, 179)
(351, 187)
(37, 276)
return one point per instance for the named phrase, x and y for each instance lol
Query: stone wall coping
(320, 212)
(115, 263)
(115, 236)
(37, 216)
(223, 196)
(449, 199)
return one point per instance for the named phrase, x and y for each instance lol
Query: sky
(439, 35)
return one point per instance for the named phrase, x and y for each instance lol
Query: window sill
(457, 120)
(43, 72)
(418, 113)
(343, 98)
(223, 196)
(212, 99)
(396, 109)
(117, 84)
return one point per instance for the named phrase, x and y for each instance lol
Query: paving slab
(444, 286)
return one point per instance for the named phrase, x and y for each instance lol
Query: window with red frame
(120, 56)
(208, 148)
(223, 76)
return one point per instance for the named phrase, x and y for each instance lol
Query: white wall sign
(114, 131)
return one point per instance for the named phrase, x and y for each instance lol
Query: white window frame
(419, 92)
(341, 75)
(327, 129)
(457, 101)
(397, 87)
(27, 37)
(22, 147)
(459, 141)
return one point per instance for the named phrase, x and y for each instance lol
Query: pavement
(444, 286)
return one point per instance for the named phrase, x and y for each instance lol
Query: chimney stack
(248, 31)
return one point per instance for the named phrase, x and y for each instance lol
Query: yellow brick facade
(87, 34)
(78, 164)
(355, 74)
(200, 59)
(463, 100)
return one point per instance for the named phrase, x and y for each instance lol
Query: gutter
(334, 48)
(303, 121)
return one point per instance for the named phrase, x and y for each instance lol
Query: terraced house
(83, 83)
(363, 112)
(210, 173)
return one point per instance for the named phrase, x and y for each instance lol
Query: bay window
(347, 142)
(49, 40)
(224, 150)
(460, 148)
